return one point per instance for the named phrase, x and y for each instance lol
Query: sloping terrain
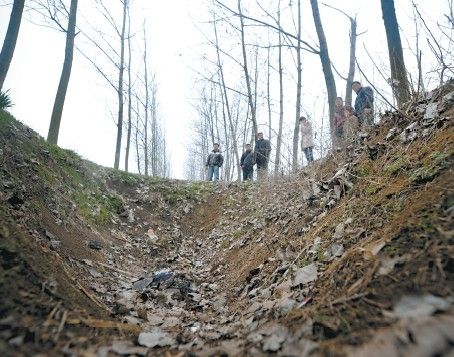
(351, 256)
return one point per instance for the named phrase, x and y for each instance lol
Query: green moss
(238, 234)
(176, 193)
(364, 169)
(225, 243)
(126, 177)
(373, 188)
(438, 158)
(399, 164)
(431, 167)
(97, 207)
(46, 174)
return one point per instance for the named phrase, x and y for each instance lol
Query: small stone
(155, 338)
(95, 244)
(54, 244)
(273, 343)
(286, 305)
(305, 275)
(339, 231)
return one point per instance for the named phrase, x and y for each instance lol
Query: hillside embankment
(350, 256)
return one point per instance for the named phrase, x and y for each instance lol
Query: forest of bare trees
(253, 62)
(250, 75)
(118, 53)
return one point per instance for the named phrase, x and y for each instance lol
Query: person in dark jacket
(214, 162)
(262, 155)
(247, 163)
(364, 103)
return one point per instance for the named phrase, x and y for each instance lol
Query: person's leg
(265, 171)
(306, 153)
(250, 174)
(210, 173)
(259, 172)
(216, 173)
(311, 154)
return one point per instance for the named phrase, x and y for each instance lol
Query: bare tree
(57, 111)
(246, 72)
(9, 44)
(277, 160)
(147, 101)
(351, 62)
(120, 86)
(226, 100)
(399, 81)
(113, 58)
(299, 69)
(326, 63)
(128, 135)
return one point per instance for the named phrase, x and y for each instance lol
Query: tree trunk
(246, 73)
(57, 111)
(296, 128)
(10, 39)
(120, 87)
(351, 67)
(268, 94)
(128, 137)
(326, 64)
(137, 136)
(399, 81)
(146, 104)
(227, 105)
(277, 162)
(154, 136)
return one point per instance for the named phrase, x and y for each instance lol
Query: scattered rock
(420, 305)
(155, 338)
(305, 275)
(16, 200)
(94, 244)
(334, 250)
(152, 235)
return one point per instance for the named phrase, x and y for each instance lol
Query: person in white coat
(307, 141)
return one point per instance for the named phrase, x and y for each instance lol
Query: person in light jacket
(307, 141)
(339, 121)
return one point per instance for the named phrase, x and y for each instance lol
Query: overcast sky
(175, 49)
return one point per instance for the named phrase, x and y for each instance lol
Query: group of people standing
(347, 122)
(260, 157)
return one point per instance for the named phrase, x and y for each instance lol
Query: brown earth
(240, 246)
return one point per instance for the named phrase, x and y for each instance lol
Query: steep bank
(352, 255)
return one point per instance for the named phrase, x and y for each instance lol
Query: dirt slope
(352, 256)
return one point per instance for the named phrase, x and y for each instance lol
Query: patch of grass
(320, 255)
(237, 234)
(97, 207)
(373, 188)
(364, 169)
(176, 193)
(126, 177)
(400, 164)
(225, 243)
(436, 162)
(45, 174)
